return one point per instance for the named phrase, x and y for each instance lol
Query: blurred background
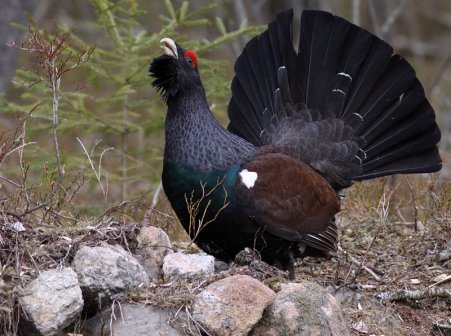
(111, 122)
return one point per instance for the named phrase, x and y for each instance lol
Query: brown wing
(291, 200)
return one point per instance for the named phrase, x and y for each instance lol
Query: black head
(174, 70)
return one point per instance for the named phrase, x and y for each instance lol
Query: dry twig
(405, 294)
(382, 219)
(360, 264)
(196, 205)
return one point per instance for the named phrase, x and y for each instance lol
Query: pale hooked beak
(169, 47)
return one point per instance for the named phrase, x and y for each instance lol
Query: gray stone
(153, 246)
(221, 266)
(187, 265)
(232, 306)
(53, 300)
(131, 320)
(107, 270)
(444, 255)
(302, 309)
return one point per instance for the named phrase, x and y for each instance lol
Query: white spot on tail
(364, 153)
(344, 74)
(339, 91)
(248, 178)
(358, 115)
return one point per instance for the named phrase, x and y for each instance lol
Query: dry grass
(395, 234)
(33, 246)
(398, 229)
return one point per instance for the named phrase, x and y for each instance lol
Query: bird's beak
(169, 47)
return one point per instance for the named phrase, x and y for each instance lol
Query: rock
(444, 255)
(53, 300)
(187, 265)
(232, 306)
(346, 296)
(302, 309)
(360, 326)
(221, 266)
(106, 270)
(131, 320)
(153, 246)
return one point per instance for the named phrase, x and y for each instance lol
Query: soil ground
(403, 256)
(395, 235)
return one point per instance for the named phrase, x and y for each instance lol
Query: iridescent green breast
(198, 197)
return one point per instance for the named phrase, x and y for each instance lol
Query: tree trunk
(12, 11)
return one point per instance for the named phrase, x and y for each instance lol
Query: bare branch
(356, 12)
(360, 264)
(393, 17)
(156, 195)
(194, 206)
(405, 294)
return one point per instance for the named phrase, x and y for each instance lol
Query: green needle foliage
(110, 121)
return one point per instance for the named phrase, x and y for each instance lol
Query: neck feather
(195, 139)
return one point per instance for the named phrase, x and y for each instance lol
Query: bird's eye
(191, 58)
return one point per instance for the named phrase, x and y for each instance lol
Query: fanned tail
(344, 103)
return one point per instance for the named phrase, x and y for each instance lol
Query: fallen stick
(419, 294)
(360, 264)
(442, 281)
(442, 326)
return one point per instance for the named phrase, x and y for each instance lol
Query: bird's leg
(287, 262)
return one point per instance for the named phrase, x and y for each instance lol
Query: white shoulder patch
(248, 178)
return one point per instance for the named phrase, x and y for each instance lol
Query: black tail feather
(326, 242)
(422, 162)
(410, 101)
(340, 72)
(389, 88)
(255, 80)
(407, 131)
(413, 146)
(313, 55)
(368, 75)
(355, 50)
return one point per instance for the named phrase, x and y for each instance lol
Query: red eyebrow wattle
(192, 54)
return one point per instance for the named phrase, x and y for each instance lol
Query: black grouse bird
(303, 125)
